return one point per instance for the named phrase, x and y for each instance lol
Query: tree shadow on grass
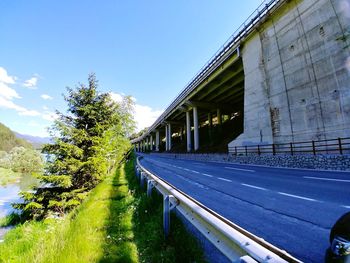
(135, 227)
(119, 245)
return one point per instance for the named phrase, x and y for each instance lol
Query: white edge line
(327, 179)
(299, 197)
(239, 169)
(209, 175)
(223, 179)
(256, 187)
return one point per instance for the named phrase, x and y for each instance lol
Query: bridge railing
(331, 146)
(223, 52)
(237, 244)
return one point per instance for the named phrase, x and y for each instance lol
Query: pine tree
(87, 141)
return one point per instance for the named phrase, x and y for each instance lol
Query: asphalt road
(293, 209)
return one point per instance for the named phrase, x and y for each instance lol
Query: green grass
(8, 176)
(116, 223)
(180, 246)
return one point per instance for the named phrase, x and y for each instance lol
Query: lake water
(9, 194)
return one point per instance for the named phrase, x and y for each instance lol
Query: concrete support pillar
(157, 141)
(188, 131)
(218, 113)
(195, 125)
(166, 138)
(210, 119)
(151, 143)
(169, 132)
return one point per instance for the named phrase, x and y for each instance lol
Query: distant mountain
(9, 140)
(36, 141)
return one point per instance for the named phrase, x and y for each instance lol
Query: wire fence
(332, 146)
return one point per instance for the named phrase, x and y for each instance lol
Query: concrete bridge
(283, 76)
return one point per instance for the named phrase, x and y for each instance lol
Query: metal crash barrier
(237, 244)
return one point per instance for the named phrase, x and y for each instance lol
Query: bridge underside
(220, 111)
(286, 81)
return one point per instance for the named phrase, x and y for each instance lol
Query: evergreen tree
(87, 141)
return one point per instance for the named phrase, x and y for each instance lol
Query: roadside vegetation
(87, 141)
(88, 206)
(115, 223)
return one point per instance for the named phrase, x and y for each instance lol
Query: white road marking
(346, 206)
(208, 175)
(239, 169)
(187, 169)
(299, 197)
(327, 179)
(193, 171)
(223, 179)
(255, 187)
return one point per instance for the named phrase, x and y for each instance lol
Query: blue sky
(147, 49)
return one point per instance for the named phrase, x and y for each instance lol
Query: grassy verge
(152, 246)
(8, 176)
(116, 223)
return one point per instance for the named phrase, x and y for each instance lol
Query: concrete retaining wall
(297, 74)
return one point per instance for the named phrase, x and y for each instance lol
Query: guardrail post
(167, 207)
(137, 172)
(246, 150)
(313, 148)
(259, 150)
(149, 187)
(236, 150)
(273, 149)
(340, 146)
(291, 148)
(142, 179)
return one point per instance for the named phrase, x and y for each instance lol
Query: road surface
(293, 209)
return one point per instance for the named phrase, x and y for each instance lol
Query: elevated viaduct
(283, 76)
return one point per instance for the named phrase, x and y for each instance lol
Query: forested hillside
(8, 139)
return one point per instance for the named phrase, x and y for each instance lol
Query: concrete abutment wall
(297, 81)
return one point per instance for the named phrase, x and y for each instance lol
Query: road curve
(293, 209)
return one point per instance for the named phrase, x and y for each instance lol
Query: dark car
(339, 238)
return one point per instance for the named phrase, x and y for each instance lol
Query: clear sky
(147, 49)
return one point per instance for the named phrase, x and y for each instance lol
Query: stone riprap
(320, 162)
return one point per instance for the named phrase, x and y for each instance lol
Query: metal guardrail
(237, 244)
(224, 51)
(331, 146)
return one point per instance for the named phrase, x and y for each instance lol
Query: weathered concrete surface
(297, 74)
